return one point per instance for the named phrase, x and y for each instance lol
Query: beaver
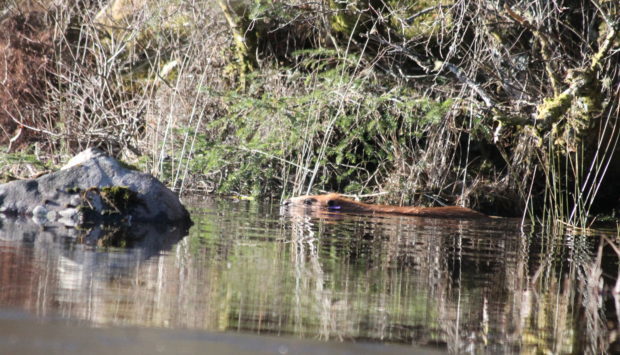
(336, 202)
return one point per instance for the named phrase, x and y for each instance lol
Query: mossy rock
(120, 197)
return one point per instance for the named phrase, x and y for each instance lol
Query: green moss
(73, 190)
(119, 197)
(425, 23)
(552, 109)
(128, 166)
(344, 22)
(116, 203)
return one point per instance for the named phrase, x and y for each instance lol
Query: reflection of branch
(612, 245)
(310, 283)
(616, 291)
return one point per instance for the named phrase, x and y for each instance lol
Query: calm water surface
(249, 279)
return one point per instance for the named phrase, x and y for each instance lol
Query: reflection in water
(464, 286)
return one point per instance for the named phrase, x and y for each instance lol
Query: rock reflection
(150, 237)
(68, 271)
(462, 286)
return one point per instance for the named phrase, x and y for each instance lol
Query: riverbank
(503, 112)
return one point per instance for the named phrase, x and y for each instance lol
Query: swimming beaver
(337, 202)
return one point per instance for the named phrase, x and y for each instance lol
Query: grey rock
(82, 157)
(39, 215)
(80, 193)
(40, 212)
(51, 215)
(70, 217)
(75, 201)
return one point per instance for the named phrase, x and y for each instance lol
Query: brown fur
(336, 202)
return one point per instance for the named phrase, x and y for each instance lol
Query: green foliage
(347, 124)
(21, 158)
(270, 10)
(14, 165)
(410, 19)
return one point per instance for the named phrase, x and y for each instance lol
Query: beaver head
(330, 202)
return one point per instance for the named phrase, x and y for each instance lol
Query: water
(248, 279)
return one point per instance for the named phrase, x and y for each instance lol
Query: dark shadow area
(151, 239)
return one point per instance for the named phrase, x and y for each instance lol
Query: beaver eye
(333, 205)
(309, 201)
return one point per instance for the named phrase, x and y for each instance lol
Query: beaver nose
(286, 202)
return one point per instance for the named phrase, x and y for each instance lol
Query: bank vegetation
(503, 106)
